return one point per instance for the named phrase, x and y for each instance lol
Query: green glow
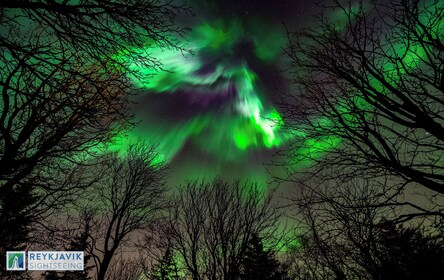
(288, 242)
(312, 149)
(246, 125)
(402, 57)
(250, 123)
(218, 36)
(268, 40)
(340, 17)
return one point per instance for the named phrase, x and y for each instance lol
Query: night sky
(333, 116)
(212, 112)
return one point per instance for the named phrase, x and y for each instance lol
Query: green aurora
(246, 123)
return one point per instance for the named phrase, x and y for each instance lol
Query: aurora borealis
(216, 99)
(203, 137)
(210, 106)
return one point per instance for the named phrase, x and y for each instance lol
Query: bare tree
(337, 225)
(98, 28)
(375, 86)
(61, 88)
(370, 106)
(64, 93)
(352, 231)
(127, 269)
(212, 223)
(126, 201)
(48, 121)
(70, 234)
(166, 267)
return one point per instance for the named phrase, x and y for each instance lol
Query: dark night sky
(202, 123)
(210, 150)
(277, 11)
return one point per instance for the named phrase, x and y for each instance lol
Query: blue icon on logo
(15, 260)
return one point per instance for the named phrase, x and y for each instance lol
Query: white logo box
(55, 260)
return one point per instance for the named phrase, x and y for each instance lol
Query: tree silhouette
(353, 232)
(45, 121)
(127, 269)
(372, 80)
(13, 217)
(63, 93)
(167, 268)
(97, 28)
(126, 200)
(406, 253)
(258, 263)
(60, 87)
(368, 100)
(211, 224)
(78, 243)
